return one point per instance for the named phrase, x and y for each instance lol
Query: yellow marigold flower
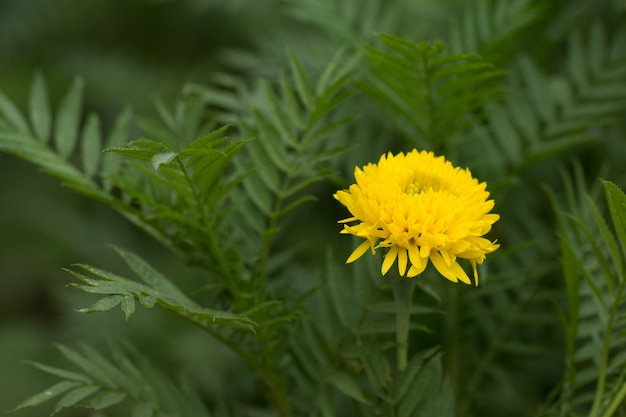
(420, 207)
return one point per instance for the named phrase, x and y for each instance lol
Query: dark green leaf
(617, 206)
(347, 385)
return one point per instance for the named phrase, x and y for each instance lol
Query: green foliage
(594, 316)
(220, 174)
(531, 125)
(437, 95)
(156, 290)
(102, 383)
(291, 130)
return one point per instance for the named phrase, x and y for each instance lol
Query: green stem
(403, 297)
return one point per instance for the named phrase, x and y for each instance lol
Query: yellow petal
(358, 252)
(473, 262)
(389, 259)
(417, 269)
(402, 261)
(441, 266)
(460, 273)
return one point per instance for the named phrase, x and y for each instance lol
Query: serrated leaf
(91, 145)
(68, 118)
(47, 394)
(40, 114)
(74, 397)
(128, 306)
(103, 304)
(162, 158)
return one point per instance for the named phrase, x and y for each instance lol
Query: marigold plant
(421, 207)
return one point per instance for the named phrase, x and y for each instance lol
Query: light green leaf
(103, 304)
(74, 397)
(301, 80)
(91, 145)
(162, 158)
(128, 306)
(104, 400)
(68, 118)
(47, 394)
(61, 373)
(12, 115)
(40, 114)
(88, 365)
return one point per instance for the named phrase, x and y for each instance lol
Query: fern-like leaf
(156, 290)
(595, 317)
(102, 383)
(437, 95)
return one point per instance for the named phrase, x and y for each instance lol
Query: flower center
(416, 189)
(420, 187)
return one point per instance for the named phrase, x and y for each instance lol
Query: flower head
(420, 207)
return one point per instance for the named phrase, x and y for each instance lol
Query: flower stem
(403, 297)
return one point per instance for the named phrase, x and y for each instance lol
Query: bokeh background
(128, 52)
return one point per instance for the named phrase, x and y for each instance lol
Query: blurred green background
(128, 52)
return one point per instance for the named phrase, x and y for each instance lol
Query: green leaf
(68, 118)
(128, 306)
(74, 397)
(162, 158)
(91, 145)
(88, 365)
(117, 137)
(103, 304)
(104, 400)
(40, 114)
(159, 289)
(301, 80)
(617, 206)
(61, 373)
(47, 394)
(427, 387)
(12, 115)
(408, 378)
(347, 385)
